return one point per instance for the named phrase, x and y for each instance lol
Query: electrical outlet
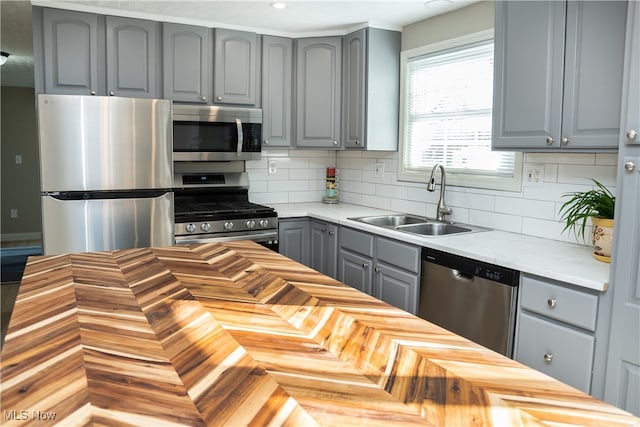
(18, 159)
(378, 170)
(272, 167)
(14, 213)
(534, 176)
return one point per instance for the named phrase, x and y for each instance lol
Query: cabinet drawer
(398, 254)
(558, 351)
(568, 305)
(356, 241)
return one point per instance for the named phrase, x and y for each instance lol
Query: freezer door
(95, 143)
(71, 226)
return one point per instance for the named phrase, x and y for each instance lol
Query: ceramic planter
(602, 238)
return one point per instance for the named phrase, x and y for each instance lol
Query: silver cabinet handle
(332, 233)
(365, 265)
(323, 229)
(219, 98)
(111, 93)
(629, 166)
(377, 269)
(93, 92)
(550, 140)
(266, 141)
(548, 357)
(335, 142)
(632, 134)
(564, 141)
(204, 98)
(357, 142)
(551, 302)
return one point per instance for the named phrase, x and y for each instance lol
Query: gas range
(213, 207)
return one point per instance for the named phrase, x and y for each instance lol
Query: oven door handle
(240, 135)
(185, 240)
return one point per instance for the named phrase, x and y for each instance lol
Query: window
(447, 105)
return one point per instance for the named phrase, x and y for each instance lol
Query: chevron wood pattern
(232, 334)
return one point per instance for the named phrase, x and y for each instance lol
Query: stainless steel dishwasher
(470, 298)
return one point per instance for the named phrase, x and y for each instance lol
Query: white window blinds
(449, 97)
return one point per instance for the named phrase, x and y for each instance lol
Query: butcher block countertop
(232, 334)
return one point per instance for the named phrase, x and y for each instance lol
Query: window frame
(484, 181)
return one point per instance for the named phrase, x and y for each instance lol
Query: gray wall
(470, 19)
(20, 182)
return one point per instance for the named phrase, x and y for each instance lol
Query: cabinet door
(132, 57)
(396, 287)
(319, 65)
(356, 271)
(71, 52)
(293, 239)
(353, 92)
(277, 64)
(186, 59)
(235, 67)
(324, 247)
(594, 57)
(558, 351)
(528, 70)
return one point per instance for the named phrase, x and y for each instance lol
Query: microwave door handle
(240, 136)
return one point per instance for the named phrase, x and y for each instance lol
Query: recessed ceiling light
(278, 5)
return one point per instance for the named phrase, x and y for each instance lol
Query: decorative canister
(331, 191)
(602, 237)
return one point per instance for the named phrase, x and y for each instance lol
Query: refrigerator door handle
(98, 195)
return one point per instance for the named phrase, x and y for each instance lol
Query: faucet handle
(445, 210)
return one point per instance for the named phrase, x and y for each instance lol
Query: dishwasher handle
(460, 276)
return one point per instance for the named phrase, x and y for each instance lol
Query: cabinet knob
(219, 98)
(564, 141)
(629, 166)
(632, 134)
(204, 98)
(266, 141)
(365, 265)
(377, 269)
(323, 229)
(111, 93)
(332, 233)
(335, 142)
(357, 142)
(551, 302)
(548, 357)
(93, 92)
(550, 140)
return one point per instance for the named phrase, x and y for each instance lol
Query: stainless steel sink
(419, 225)
(391, 220)
(433, 229)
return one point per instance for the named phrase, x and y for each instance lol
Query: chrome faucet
(431, 186)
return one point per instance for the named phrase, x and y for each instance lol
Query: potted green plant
(597, 204)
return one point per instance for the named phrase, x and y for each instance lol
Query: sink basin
(433, 229)
(391, 220)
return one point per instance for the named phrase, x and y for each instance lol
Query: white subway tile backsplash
(300, 177)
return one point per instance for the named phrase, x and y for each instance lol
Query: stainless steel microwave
(208, 133)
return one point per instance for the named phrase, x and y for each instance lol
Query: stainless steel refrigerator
(106, 172)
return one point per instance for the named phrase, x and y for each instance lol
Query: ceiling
(300, 18)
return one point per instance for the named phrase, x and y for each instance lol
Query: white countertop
(553, 259)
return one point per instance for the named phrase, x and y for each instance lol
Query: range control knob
(190, 228)
(205, 226)
(251, 223)
(264, 223)
(228, 225)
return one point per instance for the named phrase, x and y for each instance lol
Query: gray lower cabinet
(235, 67)
(555, 330)
(385, 268)
(318, 92)
(186, 61)
(293, 239)
(70, 46)
(558, 75)
(277, 63)
(370, 89)
(133, 57)
(324, 247)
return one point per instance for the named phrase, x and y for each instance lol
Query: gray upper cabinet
(277, 63)
(70, 43)
(186, 62)
(318, 90)
(133, 60)
(371, 89)
(235, 67)
(558, 75)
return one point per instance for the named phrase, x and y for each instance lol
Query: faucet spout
(431, 186)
